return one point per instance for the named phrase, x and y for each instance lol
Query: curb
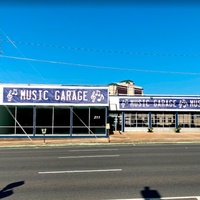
(93, 144)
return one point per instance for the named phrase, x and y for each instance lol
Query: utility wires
(106, 51)
(97, 66)
(13, 44)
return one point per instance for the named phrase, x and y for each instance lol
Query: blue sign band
(56, 95)
(159, 103)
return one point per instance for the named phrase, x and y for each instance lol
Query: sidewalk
(117, 137)
(156, 137)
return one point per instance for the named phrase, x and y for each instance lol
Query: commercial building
(63, 111)
(130, 111)
(83, 111)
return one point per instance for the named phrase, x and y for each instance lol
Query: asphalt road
(100, 172)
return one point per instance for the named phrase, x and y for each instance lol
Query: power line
(22, 55)
(107, 51)
(97, 66)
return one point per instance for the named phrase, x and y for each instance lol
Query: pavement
(116, 138)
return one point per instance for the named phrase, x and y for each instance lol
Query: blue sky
(157, 45)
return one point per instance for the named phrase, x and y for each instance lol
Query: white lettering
(56, 95)
(139, 103)
(32, 95)
(164, 103)
(22, 95)
(45, 95)
(85, 96)
(68, 95)
(28, 94)
(73, 95)
(80, 97)
(62, 98)
(40, 95)
(195, 103)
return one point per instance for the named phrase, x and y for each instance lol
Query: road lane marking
(95, 156)
(180, 198)
(77, 150)
(81, 171)
(164, 198)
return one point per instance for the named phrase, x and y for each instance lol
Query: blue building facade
(163, 113)
(83, 111)
(64, 111)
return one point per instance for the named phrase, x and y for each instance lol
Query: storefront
(79, 111)
(64, 111)
(163, 113)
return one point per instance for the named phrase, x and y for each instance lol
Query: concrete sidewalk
(117, 137)
(156, 137)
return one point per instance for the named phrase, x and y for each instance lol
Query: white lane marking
(81, 171)
(163, 198)
(95, 156)
(93, 150)
(190, 197)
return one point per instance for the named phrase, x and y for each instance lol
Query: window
(80, 117)
(43, 119)
(121, 89)
(7, 123)
(61, 120)
(188, 120)
(184, 119)
(169, 120)
(142, 119)
(80, 120)
(136, 119)
(196, 120)
(25, 119)
(163, 119)
(137, 91)
(97, 117)
(97, 120)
